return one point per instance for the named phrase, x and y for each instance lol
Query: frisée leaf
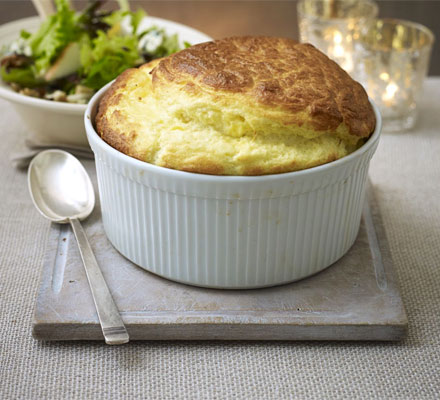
(103, 59)
(21, 76)
(54, 35)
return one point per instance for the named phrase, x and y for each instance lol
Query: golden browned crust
(237, 106)
(103, 126)
(276, 72)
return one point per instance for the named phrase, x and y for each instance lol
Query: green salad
(72, 55)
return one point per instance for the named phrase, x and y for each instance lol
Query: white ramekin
(230, 231)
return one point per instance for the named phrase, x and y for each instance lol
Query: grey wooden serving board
(354, 299)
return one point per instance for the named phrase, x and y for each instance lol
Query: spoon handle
(112, 325)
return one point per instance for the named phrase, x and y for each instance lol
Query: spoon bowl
(60, 186)
(61, 191)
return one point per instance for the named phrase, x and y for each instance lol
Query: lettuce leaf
(24, 77)
(136, 19)
(54, 34)
(124, 5)
(116, 17)
(25, 34)
(103, 59)
(170, 45)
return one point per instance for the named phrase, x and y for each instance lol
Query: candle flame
(338, 51)
(390, 92)
(337, 37)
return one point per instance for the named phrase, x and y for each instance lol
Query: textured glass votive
(393, 61)
(334, 26)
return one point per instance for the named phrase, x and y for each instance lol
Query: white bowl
(230, 231)
(56, 123)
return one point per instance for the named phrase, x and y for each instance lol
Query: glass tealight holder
(393, 61)
(335, 26)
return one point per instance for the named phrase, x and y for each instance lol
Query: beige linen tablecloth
(406, 174)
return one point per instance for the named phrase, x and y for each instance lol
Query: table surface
(405, 172)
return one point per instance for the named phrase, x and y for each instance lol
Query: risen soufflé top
(237, 106)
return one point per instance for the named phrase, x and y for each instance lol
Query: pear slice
(67, 63)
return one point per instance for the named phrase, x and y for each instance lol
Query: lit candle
(339, 53)
(338, 50)
(389, 95)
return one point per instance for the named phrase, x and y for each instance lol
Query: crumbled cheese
(82, 95)
(30, 92)
(151, 41)
(58, 95)
(21, 46)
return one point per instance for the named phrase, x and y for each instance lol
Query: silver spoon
(62, 192)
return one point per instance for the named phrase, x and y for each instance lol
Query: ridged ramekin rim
(95, 139)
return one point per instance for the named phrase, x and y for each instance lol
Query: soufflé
(237, 106)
